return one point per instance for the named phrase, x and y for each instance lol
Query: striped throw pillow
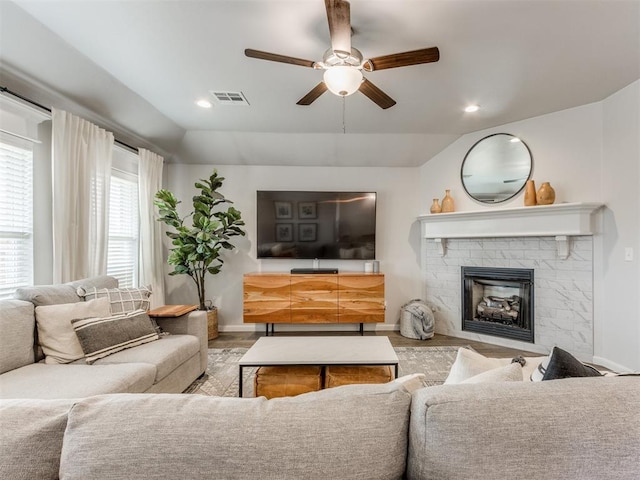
(100, 337)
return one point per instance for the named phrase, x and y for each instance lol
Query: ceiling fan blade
(383, 100)
(310, 97)
(414, 57)
(339, 16)
(274, 57)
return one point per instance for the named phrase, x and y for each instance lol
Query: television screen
(323, 225)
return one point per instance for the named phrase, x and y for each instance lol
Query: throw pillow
(508, 373)
(469, 364)
(412, 382)
(121, 300)
(104, 336)
(564, 365)
(55, 334)
(538, 372)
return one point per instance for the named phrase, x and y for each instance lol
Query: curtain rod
(39, 105)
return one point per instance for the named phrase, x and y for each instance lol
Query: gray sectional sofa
(579, 428)
(167, 365)
(112, 420)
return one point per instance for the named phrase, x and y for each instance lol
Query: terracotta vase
(530, 194)
(447, 203)
(546, 194)
(435, 206)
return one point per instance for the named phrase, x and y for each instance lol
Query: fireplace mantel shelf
(561, 221)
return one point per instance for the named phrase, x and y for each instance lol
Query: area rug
(221, 377)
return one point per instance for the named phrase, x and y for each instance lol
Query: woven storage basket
(212, 323)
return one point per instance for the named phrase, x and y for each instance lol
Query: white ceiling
(516, 58)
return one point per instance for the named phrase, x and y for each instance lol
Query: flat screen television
(322, 225)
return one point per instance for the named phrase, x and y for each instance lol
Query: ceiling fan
(343, 64)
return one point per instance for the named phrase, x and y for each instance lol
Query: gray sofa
(582, 428)
(167, 365)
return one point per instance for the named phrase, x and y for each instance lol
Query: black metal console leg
(362, 329)
(240, 381)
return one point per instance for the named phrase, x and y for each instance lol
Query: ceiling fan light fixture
(343, 80)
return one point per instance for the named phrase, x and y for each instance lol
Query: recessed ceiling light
(515, 140)
(472, 108)
(204, 103)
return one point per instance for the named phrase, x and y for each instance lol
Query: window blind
(16, 217)
(122, 256)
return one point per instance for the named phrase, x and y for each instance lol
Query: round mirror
(496, 168)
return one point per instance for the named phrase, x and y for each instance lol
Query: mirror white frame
(496, 168)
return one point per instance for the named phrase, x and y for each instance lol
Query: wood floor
(246, 340)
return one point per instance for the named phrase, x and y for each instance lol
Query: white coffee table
(318, 351)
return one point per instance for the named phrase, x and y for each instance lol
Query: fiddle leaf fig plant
(197, 248)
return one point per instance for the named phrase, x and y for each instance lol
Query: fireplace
(498, 302)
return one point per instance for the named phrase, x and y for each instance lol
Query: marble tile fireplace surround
(555, 241)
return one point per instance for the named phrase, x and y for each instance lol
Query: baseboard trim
(613, 366)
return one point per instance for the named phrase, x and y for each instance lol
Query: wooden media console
(348, 297)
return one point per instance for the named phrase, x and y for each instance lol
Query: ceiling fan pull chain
(344, 128)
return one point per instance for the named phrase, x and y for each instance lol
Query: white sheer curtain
(151, 256)
(81, 166)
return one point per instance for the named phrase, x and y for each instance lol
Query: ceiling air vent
(229, 98)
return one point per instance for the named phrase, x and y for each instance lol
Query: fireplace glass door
(498, 302)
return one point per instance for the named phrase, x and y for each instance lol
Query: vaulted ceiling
(145, 63)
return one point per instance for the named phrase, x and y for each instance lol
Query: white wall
(566, 147)
(618, 334)
(397, 242)
(589, 154)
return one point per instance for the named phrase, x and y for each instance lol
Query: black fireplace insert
(498, 302)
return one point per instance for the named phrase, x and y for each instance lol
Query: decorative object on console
(546, 194)
(435, 206)
(448, 205)
(530, 194)
(496, 168)
(197, 249)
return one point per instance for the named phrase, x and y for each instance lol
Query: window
(122, 256)
(16, 216)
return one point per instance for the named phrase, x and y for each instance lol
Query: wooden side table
(172, 311)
